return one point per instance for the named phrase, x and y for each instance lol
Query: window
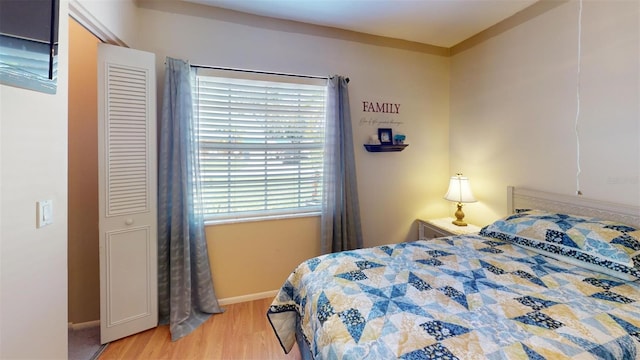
(260, 146)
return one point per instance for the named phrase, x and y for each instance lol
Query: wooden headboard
(518, 198)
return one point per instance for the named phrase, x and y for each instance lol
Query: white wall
(394, 188)
(33, 262)
(513, 107)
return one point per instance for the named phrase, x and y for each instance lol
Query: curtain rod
(260, 72)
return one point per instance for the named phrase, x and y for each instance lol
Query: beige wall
(513, 107)
(83, 250)
(256, 257)
(394, 188)
(33, 262)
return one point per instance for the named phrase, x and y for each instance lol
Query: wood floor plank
(241, 332)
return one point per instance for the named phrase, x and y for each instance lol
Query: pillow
(598, 242)
(621, 271)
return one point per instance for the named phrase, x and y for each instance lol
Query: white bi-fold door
(127, 191)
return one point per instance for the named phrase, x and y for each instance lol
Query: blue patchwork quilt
(464, 297)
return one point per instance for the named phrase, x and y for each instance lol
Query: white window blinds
(260, 146)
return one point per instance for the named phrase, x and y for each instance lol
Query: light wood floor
(241, 332)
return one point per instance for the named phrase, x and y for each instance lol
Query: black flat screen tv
(29, 44)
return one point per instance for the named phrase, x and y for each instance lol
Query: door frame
(84, 17)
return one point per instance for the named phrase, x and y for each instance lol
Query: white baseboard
(84, 325)
(222, 302)
(249, 297)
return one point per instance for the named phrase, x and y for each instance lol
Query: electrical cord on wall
(579, 170)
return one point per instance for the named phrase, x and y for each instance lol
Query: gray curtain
(185, 288)
(340, 220)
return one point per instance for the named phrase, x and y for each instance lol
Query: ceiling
(442, 23)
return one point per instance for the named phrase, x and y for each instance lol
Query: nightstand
(435, 228)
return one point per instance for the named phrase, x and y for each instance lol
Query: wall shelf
(385, 148)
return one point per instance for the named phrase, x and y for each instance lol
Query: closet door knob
(129, 221)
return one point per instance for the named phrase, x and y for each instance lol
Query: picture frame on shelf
(386, 136)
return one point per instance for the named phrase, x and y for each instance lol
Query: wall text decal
(379, 122)
(388, 108)
(380, 114)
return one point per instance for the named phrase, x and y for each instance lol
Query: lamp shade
(459, 190)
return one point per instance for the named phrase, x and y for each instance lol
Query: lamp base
(459, 216)
(459, 223)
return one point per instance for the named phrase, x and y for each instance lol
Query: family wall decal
(387, 108)
(376, 107)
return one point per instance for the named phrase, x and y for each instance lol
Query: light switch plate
(44, 213)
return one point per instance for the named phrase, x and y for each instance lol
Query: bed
(555, 279)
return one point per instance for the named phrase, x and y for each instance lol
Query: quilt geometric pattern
(463, 297)
(606, 239)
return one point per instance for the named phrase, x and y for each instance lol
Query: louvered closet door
(127, 194)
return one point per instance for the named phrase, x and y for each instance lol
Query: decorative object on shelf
(385, 136)
(460, 192)
(374, 140)
(384, 148)
(398, 139)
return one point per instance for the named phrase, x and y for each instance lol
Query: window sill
(212, 222)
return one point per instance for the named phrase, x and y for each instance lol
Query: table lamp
(460, 192)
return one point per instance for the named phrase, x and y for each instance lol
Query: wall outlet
(44, 213)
